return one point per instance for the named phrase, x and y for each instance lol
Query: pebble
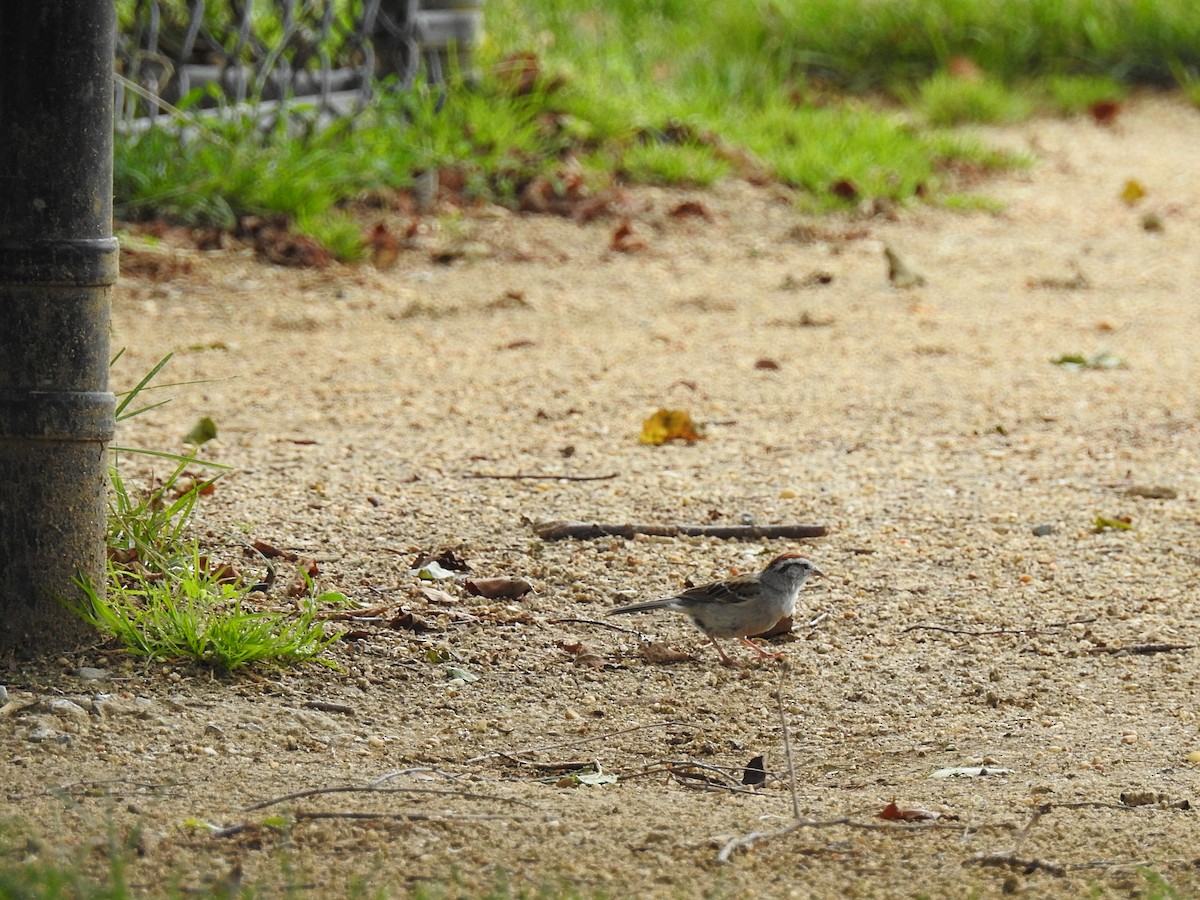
(3, 695)
(66, 709)
(90, 673)
(42, 734)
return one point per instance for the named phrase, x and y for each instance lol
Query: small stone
(66, 709)
(1194, 756)
(3, 695)
(42, 734)
(90, 673)
(1043, 530)
(1129, 737)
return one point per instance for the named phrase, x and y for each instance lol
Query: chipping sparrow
(739, 606)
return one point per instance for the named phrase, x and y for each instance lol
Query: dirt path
(927, 428)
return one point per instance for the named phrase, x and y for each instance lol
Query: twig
(538, 476)
(972, 632)
(1142, 649)
(409, 817)
(575, 741)
(570, 765)
(575, 621)
(561, 530)
(749, 840)
(371, 789)
(329, 706)
(1027, 866)
(787, 741)
(699, 782)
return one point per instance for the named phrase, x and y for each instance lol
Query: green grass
(808, 87)
(164, 598)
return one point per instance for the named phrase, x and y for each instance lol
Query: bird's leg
(725, 660)
(760, 651)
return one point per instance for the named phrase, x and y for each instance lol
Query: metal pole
(58, 261)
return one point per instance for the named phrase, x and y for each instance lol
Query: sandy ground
(926, 428)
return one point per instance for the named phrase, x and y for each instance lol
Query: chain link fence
(276, 56)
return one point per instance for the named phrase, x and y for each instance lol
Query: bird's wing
(732, 592)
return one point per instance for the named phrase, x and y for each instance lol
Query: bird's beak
(818, 572)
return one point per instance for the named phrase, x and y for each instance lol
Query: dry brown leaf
(409, 621)
(964, 68)
(439, 597)
(498, 588)
(384, 246)
(655, 652)
(690, 208)
(270, 551)
(1105, 112)
(625, 239)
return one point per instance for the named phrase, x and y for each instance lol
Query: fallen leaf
(270, 551)
(690, 208)
(202, 432)
(783, 626)
(894, 813)
(408, 621)
(433, 571)
(657, 652)
(1132, 192)
(384, 246)
(625, 239)
(964, 68)
(518, 73)
(447, 559)
(1077, 361)
(1117, 523)
(755, 774)
(439, 597)
(1104, 112)
(510, 299)
(900, 274)
(669, 425)
(498, 588)
(844, 189)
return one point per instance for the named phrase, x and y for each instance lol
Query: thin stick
(543, 476)
(408, 817)
(787, 741)
(369, 789)
(973, 632)
(749, 840)
(575, 621)
(561, 530)
(576, 741)
(1142, 649)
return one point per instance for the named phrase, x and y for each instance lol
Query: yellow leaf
(1133, 192)
(669, 425)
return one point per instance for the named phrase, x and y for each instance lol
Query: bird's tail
(641, 607)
